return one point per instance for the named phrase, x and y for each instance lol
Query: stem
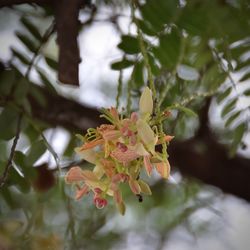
(12, 153)
(143, 51)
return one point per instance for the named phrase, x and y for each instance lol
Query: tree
(198, 61)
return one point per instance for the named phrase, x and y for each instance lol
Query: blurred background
(60, 62)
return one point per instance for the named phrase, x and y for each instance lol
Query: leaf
(7, 78)
(31, 28)
(138, 74)
(122, 64)
(224, 95)
(246, 92)
(8, 123)
(160, 12)
(169, 49)
(21, 90)
(238, 135)
(228, 108)
(28, 43)
(129, 44)
(52, 63)
(245, 77)
(36, 150)
(38, 95)
(232, 118)
(47, 82)
(186, 110)
(20, 56)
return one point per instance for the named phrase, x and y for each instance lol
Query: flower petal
(146, 102)
(134, 186)
(74, 175)
(124, 157)
(81, 192)
(147, 164)
(98, 171)
(88, 155)
(167, 138)
(111, 135)
(144, 187)
(163, 168)
(146, 134)
(91, 144)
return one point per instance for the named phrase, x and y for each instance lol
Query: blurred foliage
(196, 49)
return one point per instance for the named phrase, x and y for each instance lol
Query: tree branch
(4, 176)
(201, 157)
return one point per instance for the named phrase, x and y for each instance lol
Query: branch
(4, 176)
(7, 3)
(67, 24)
(201, 157)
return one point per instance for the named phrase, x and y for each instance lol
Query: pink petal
(74, 175)
(147, 164)
(111, 135)
(163, 168)
(124, 157)
(81, 192)
(134, 186)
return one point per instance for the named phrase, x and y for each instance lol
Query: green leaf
(38, 95)
(36, 150)
(186, 110)
(52, 63)
(245, 77)
(47, 82)
(21, 90)
(20, 56)
(21, 161)
(246, 92)
(8, 123)
(224, 95)
(7, 78)
(228, 108)
(232, 118)
(122, 64)
(138, 74)
(31, 28)
(129, 44)
(159, 13)
(28, 43)
(238, 135)
(169, 49)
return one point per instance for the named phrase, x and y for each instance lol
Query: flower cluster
(119, 151)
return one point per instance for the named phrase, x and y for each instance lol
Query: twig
(12, 153)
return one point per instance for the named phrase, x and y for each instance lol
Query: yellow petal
(139, 149)
(88, 154)
(121, 207)
(98, 171)
(163, 168)
(146, 102)
(146, 134)
(144, 187)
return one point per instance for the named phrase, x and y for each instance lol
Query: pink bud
(100, 202)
